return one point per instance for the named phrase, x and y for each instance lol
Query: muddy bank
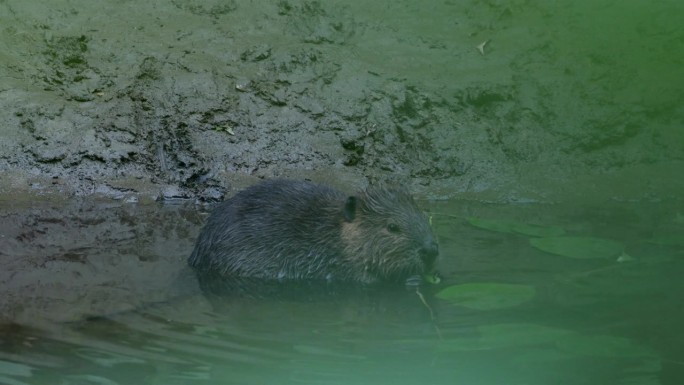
(188, 100)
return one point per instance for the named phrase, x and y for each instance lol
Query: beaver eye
(393, 228)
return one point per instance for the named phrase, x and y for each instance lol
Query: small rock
(257, 53)
(45, 154)
(172, 193)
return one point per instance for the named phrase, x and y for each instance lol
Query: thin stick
(432, 314)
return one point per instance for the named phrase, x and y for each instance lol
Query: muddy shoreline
(194, 100)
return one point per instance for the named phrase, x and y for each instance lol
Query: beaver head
(387, 236)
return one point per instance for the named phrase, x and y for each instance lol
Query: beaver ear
(350, 209)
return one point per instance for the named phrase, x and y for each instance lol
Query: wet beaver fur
(283, 229)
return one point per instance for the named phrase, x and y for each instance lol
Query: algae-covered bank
(523, 100)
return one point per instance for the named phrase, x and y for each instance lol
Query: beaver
(292, 230)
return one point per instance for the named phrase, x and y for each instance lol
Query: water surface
(134, 314)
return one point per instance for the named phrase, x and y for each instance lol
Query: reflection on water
(589, 320)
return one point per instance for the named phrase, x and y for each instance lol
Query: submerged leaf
(513, 227)
(487, 296)
(579, 247)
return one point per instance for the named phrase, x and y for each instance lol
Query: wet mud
(70, 261)
(194, 100)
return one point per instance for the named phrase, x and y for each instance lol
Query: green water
(589, 320)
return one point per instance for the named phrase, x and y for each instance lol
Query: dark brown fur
(282, 229)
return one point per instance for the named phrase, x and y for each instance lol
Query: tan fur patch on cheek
(352, 239)
(350, 231)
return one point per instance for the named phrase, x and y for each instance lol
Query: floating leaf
(679, 218)
(579, 247)
(538, 231)
(545, 344)
(487, 296)
(520, 334)
(668, 239)
(499, 225)
(507, 226)
(504, 336)
(602, 346)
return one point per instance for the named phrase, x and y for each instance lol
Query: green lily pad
(546, 344)
(538, 231)
(668, 239)
(504, 336)
(602, 346)
(499, 225)
(487, 296)
(520, 334)
(679, 218)
(579, 247)
(513, 227)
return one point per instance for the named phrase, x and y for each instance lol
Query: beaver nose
(429, 252)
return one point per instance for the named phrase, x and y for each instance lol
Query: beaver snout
(429, 252)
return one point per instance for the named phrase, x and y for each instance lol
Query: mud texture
(191, 99)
